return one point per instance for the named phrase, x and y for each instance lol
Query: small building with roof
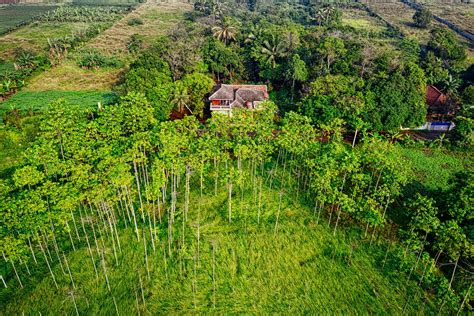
(227, 97)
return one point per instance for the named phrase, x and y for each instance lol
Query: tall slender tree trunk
(88, 244)
(355, 138)
(464, 300)
(230, 201)
(418, 259)
(139, 190)
(49, 266)
(454, 272)
(278, 213)
(32, 252)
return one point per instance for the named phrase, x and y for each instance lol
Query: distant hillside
(89, 2)
(33, 1)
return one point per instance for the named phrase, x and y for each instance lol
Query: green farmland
(12, 16)
(224, 157)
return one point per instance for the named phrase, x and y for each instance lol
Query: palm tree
(180, 97)
(291, 40)
(254, 32)
(225, 32)
(323, 14)
(24, 61)
(273, 50)
(451, 85)
(200, 6)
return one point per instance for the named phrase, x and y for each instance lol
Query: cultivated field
(361, 20)
(401, 15)
(12, 16)
(461, 14)
(158, 17)
(34, 37)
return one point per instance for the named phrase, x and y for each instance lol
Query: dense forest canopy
(153, 169)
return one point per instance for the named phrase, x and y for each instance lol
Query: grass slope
(158, 17)
(68, 76)
(433, 167)
(37, 101)
(243, 267)
(34, 37)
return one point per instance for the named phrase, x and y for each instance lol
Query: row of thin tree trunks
(94, 224)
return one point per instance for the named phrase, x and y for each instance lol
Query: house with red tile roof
(227, 97)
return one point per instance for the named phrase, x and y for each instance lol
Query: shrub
(422, 18)
(135, 43)
(92, 59)
(135, 22)
(84, 14)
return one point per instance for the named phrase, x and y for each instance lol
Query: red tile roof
(434, 97)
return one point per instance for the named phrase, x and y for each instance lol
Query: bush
(135, 22)
(463, 133)
(92, 59)
(84, 14)
(422, 18)
(135, 43)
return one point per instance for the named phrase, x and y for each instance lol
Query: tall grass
(242, 267)
(434, 166)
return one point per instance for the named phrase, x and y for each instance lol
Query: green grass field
(242, 267)
(360, 20)
(105, 2)
(433, 167)
(11, 16)
(37, 101)
(34, 37)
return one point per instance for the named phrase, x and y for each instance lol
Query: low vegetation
(12, 17)
(142, 200)
(84, 14)
(92, 59)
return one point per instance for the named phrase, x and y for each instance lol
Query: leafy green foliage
(444, 44)
(25, 64)
(135, 21)
(198, 86)
(135, 43)
(84, 14)
(398, 100)
(93, 59)
(464, 131)
(422, 17)
(223, 61)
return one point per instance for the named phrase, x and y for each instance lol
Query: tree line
(120, 167)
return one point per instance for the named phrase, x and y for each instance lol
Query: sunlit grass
(243, 267)
(434, 167)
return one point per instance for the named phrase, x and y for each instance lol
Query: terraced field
(401, 15)
(34, 37)
(461, 14)
(11, 16)
(158, 18)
